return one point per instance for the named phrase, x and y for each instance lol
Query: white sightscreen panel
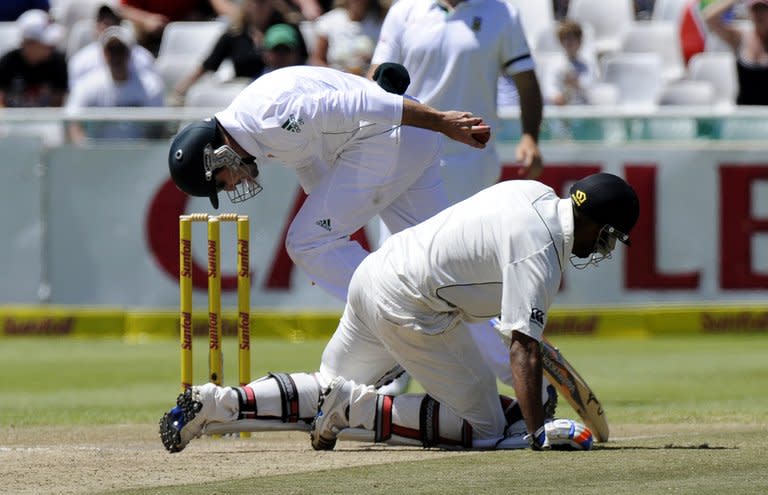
(20, 220)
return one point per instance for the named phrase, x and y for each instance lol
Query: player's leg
(423, 199)
(447, 365)
(278, 401)
(409, 419)
(363, 181)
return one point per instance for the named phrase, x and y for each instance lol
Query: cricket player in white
(500, 252)
(455, 51)
(357, 150)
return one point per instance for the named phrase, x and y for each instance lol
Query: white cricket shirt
(501, 251)
(300, 114)
(455, 58)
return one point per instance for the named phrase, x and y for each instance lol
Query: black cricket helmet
(196, 152)
(611, 203)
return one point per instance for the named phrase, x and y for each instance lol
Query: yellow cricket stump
(215, 353)
(185, 290)
(215, 364)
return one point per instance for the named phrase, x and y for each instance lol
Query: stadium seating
(602, 93)
(212, 94)
(638, 76)
(660, 37)
(719, 69)
(688, 92)
(9, 37)
(183, 48)
(173, 70)
(609, 18)
(192, 40)
(535, 16)
(68, 12)
(668, 10)
(683, 92)
(82, 32)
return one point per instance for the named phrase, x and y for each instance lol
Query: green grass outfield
(707, 396)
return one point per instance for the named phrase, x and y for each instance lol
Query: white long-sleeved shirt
(301, 114)
(501, 251)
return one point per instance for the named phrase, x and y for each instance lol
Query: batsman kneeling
(410, 307)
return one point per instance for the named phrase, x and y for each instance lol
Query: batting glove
(561, 434)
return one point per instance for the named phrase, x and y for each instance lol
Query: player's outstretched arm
(460, 126)
(525, 359)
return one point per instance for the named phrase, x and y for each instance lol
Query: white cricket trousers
(449, 365)
(394, 174)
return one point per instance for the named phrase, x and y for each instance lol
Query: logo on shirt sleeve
(325, 223)
(537, 316)
(293, 124)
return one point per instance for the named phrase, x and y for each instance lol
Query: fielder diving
(500, 253)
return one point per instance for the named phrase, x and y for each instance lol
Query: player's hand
(567, 434)
(529, 156)
(466, 128)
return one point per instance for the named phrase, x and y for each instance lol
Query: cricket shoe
(186, 421)
(332, 414)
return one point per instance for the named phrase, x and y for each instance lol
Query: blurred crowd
(133, 53)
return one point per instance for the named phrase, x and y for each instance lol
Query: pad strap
(247, 401)
(289, 396)
(383, 419)
(429, 426)
(429, 421)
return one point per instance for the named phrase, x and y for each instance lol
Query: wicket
(215, 354)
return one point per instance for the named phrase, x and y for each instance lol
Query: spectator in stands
(91, 56)
(149, 17)
(282, 47)
(35, 74)
(10, 10)
(119, 84)
(569, 81)
(347, 35)
(242, 44)
(750, 48)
